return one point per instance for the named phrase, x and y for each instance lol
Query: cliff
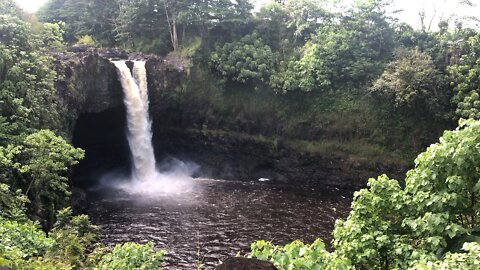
(89, 88)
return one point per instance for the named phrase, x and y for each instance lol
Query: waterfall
(139, 135)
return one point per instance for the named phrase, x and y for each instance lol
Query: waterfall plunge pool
(213, 219)
(199, 221)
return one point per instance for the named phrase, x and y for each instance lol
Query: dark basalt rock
(88, 82)
(113, 54)
(239, 157)
(89, 87)
(239, 263)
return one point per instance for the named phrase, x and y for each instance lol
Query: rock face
(239, 263)
(88, 81)
(88, 84)
(89, 88)
(233, 157)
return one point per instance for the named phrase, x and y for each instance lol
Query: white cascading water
(139, 125)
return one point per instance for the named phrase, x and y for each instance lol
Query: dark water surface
(214, 219)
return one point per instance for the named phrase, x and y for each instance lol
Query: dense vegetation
(423, 225)
(35, 160)
(295, 69)
(307, 70)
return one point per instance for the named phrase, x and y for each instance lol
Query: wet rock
(79, 201)
(88, 81)
(239, 263)
(113, 54)
(78, 48)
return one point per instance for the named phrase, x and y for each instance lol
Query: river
(213, 219)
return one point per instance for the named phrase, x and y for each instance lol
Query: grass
(358, 150)
(354, 150)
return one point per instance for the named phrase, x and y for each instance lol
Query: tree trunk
(172, 28)
(175, 36)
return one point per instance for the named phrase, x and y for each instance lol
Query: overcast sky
(411, 8)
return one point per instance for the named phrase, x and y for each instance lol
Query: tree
(8, 7)
(245, 60)
(272, 20)
(465, 78)
(411, 82)
(372, 236)
(12, 204)
(392, 227)
(88, 17)
(141, 25)
(27, 77)
(340, 54)
(306, 16)
(38, 167)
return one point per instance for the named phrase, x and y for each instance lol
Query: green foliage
(21, 241)
(470, 259)
(71, 235)
(412, 82)
(91, 17)
(305, 17)
(465, 78)
(52, 35)
(371, 236)
(272, 20)
(390, 227)
(8, 7)
(298, 255)
(38, 166)
(12, 204)
(27, 88)
(141, 26)
(469, 107)
(245, 60)
(444, 188)
(87, 40)
(25, 246)
(147, 25)
(350, 52)
(131, 256)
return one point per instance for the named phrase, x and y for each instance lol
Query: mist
(172, 176)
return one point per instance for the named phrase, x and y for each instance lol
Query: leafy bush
(371, 236)
(465, 78)
(12, 204)
(72, 236)
(469, 259)
(38, 165)
(87, 40)
(469, 107)
(298, 255)
(21, 241)
(25, 246)
(349, 52)
(390, 227)
(411, 81)
(244, 60)
(131, 256)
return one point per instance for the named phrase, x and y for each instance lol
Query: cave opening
(103, 137)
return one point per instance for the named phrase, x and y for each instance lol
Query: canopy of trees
(351, 74)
